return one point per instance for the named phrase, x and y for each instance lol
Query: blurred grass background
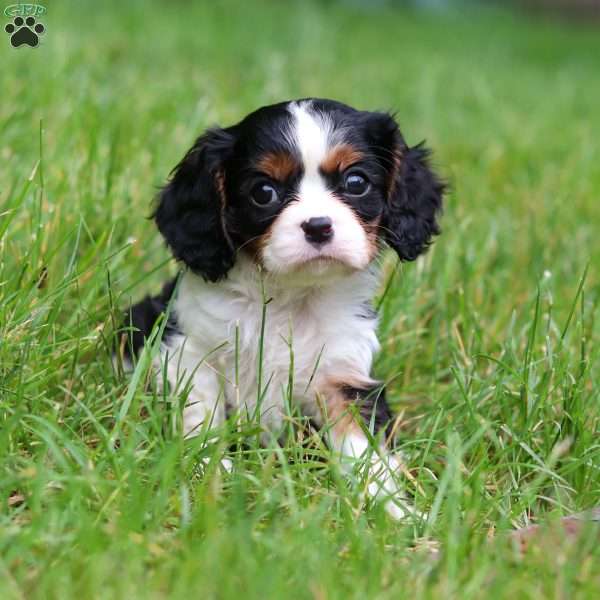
(490, 343)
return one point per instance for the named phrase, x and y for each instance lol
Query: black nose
(318, 230)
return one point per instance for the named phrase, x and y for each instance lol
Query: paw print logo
(24, 32)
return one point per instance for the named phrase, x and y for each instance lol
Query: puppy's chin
(318, 270)
(311, 271)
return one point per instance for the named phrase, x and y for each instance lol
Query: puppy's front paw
(384, 487)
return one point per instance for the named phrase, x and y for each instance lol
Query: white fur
(287, 248)
(383, 470)
(311, 134)
(321, 325)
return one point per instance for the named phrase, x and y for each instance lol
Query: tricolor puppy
(291, 206)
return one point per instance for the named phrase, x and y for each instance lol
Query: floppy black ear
(415, 193)
(190, 207)
(415, 201)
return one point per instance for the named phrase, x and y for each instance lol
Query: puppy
(277, 222)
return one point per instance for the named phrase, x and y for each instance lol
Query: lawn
(490, 343)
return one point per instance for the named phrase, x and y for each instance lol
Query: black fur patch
(190, 208)
(372, 405)
(141, 318)
(411, 222)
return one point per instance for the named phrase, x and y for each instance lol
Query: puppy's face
(309, 187)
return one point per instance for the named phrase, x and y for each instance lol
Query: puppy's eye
(356, 184)
(263, 194)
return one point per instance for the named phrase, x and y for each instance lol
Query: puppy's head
(308, 187)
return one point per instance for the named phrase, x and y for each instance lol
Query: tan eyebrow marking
(340, 157)
(278, 165)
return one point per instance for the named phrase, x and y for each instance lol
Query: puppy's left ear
(414, 192)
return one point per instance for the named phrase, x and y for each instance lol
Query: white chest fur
(250, 339)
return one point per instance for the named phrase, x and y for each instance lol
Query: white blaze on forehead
(311, 133)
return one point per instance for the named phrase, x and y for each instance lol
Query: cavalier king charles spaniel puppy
(277, 222)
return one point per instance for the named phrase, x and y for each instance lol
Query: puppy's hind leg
(137, 325)
(348, 439)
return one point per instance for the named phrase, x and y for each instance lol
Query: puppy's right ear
(190, 210)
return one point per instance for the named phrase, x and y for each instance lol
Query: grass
(490, 344)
